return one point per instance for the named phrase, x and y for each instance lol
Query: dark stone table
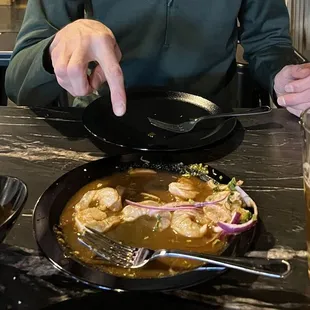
(39, 145)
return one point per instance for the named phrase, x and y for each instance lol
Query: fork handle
(274, 268)
(256, 111)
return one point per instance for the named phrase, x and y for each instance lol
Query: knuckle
(105, 38)
(60, 70)
(301, 86)
(83, 91)
(82, 88)
(61, 82)
(297, 88)
(288, 69)
(75, 69)
(55, 53)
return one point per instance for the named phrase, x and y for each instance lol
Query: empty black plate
(134, 131)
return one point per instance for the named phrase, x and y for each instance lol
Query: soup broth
(142, 232)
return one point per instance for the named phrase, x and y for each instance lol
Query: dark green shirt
(185, 45)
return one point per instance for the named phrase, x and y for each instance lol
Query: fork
(126, 256)
(189, 125)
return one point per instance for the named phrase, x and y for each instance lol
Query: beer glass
(305, 123)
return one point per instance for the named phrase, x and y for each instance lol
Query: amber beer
(305, 122)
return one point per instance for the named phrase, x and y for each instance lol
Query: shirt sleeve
(265, 37)
(28, 80)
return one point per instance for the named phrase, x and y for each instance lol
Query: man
(184, 45)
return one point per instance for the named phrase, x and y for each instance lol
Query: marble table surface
(40, 145)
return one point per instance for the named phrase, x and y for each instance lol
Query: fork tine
(112, 251)
(164, 125)
(103, 250)
(160, 124)
(115, 249)
(106, 246)
(109, 241)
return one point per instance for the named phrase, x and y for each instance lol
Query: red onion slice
(162, 208)
(173, 206)
(236, 228)
(233, 228)
(235, 218)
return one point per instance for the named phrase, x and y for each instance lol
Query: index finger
(107, 59)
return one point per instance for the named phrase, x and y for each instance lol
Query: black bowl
(13, 195)
(52, 202)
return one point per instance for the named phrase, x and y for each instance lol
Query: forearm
(267, 64)
(27, 81)
(266, 40)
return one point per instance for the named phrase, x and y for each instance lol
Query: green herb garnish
(245, 216)
(232, 184)
(156, 227)
(229, 198)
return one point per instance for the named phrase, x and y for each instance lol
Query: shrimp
(96, 219)
(131, 213)
(218, 196)
(235, 200)
(189, 223)
(183, 189)
(141, 171)
(216, 213)
(105, 198)
(222, 211)
(219, 211)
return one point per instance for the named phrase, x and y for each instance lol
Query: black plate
(51, 204)
(134, 131)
